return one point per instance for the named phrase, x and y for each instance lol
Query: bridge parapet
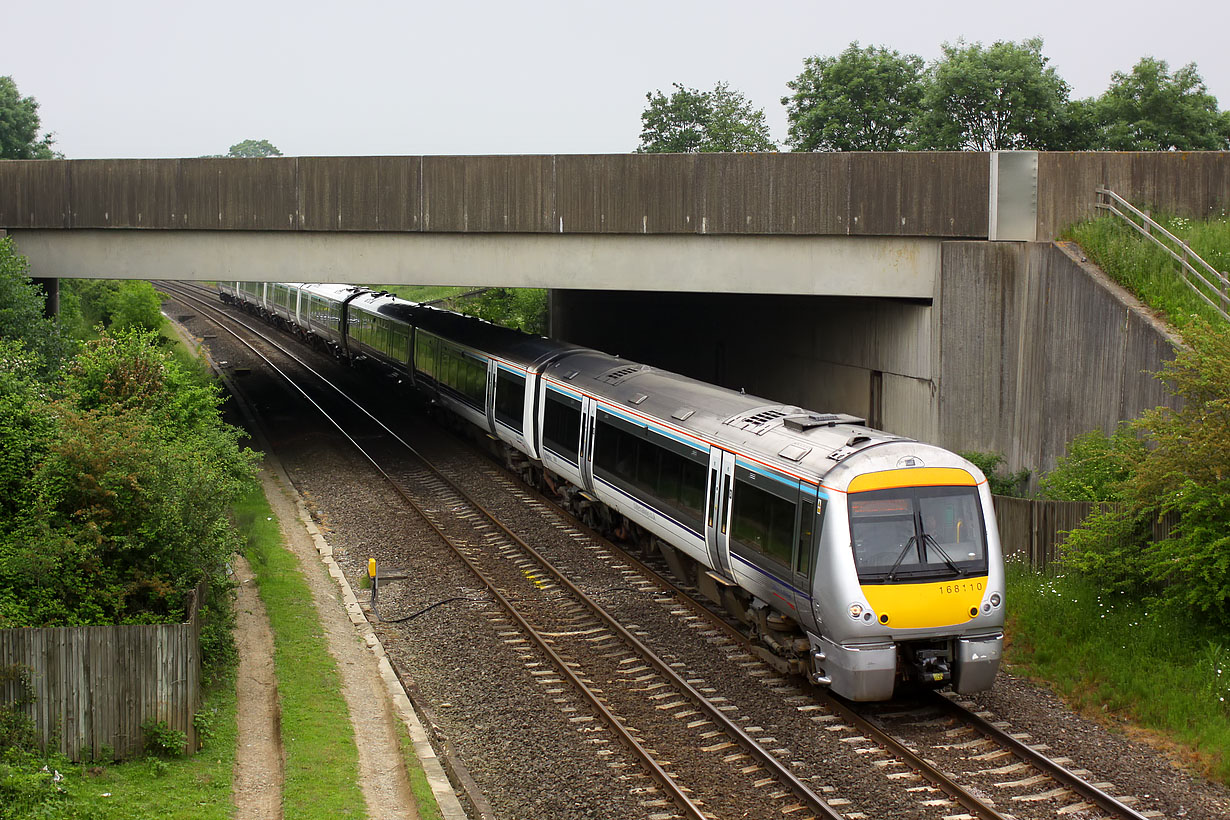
(933, 194)
(923, 194)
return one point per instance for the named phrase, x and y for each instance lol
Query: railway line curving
(672, 704)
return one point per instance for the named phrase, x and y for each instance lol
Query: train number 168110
(960, 586)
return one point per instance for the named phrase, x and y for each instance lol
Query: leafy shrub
(161, 740)
(1011, 484)
(112, 304)
(1185, 469)
(218, 651)
(16, 727)
(1095, 468)
(21, 313)
(519, 308)
(122, 505)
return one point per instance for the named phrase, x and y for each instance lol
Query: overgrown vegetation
(116, 470)
(50, 786)
(116, 476)
(1145, 630)
(1000, 482)
(1184, 469)
(112, 304)
(1148, 271)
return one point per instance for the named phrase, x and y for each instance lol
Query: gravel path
(257, 786)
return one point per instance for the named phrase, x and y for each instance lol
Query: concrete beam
(895, 267)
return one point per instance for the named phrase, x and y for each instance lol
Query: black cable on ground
(381, 619)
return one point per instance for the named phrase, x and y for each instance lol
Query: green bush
(122, 501)
(163, 741)
(1011, 484)
(112, 304)
(1095, 468)
(21, 313)
(16, 727)
(1184, 469)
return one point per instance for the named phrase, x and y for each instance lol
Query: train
(864, 560)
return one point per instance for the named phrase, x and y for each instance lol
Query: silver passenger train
(858, 558)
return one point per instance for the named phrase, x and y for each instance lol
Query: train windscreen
(917, 533)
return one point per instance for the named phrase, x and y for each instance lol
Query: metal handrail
(1220, 282)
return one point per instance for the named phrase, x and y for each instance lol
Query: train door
(811, 512)
(585, 456)
(721, 488)
(493, 371)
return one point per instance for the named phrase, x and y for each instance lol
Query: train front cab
(916, 586)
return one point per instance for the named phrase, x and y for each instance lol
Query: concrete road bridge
(921, 290)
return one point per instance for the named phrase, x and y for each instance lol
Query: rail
(1189, 260)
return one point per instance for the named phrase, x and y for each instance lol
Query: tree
(1184, 469)
(21, 311)
(19, 125)
(1003, 97)
(691, 121)
(118, 481)
(253, 148)
(865, 99)
(1150, 109)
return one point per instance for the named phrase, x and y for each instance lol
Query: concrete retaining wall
(1038, 346)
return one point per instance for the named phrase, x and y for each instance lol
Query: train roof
(524, 349)
(788, 437)
(333, 292)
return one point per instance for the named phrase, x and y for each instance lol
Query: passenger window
(561, 424)
(763, 521)
(510, 398)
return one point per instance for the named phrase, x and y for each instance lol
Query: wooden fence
(94, 686)
(1036, 530)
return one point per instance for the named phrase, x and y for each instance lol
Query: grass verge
(185, 788)
(322, 764)
(1148, 271)
(424, 798)
(1121, 661)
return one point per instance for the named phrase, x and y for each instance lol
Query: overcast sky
(152, 78)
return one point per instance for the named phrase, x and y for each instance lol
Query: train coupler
(929, 667)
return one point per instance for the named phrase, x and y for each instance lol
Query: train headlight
(995, 599)
(856, 611)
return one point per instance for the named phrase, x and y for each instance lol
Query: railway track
(672, 728)
(682, 734)
(967, 759)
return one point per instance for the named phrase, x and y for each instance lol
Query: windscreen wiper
(904, 550)
(951, 564)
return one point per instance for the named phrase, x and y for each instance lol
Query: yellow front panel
(914, 606)
(912, 477)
